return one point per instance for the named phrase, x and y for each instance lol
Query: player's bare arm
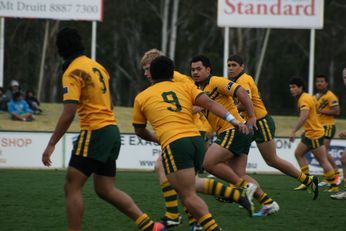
(146, 134)
(303, 116)
(63, 124)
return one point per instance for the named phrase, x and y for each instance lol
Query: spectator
(19, 108)
(14, 87)
(3, 100)
(33, 102)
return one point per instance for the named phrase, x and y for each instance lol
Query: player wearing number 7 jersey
(86, 91)
(167, 105)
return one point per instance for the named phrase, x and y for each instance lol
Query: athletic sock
(208, 223)
(264, 199)
(144, 223)
(305, 169)
(241, 183)
(228, 193)
(330, 178)
(304, 179)
(190, 217)
(171, 200)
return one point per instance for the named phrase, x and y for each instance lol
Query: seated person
(14, 87)
(33, 102)
(19, 108)
(3, 100)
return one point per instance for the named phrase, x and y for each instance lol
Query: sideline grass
(51, 112)
(34, 200)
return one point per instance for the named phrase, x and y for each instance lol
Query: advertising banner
(24, 150)
(295, 14)
(89, 10)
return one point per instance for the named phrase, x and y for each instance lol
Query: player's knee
(103, 194)
(208, 166)
(158, 166)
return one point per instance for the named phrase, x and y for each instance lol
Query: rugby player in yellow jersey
(226, 158)
(342, 195)
(327, 108)
(86, 91)
(167, 105)
(264, 135)
(172, 216)
(312, 138)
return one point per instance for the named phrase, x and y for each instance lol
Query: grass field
(34, 200)
(51, 112)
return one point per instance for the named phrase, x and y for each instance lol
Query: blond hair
(150, 55)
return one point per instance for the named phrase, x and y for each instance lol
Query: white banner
(135, 153)
(90, 10)
(24, 150)
(295, 14)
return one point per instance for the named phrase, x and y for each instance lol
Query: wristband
(229, 117)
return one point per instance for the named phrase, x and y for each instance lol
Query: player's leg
(320, 154)
(104, 187)
(299, 153)
(104, 148)
(184, 183)
(269, 206)
(181, 160)
(326, 142)
(342, 195)
(172, 216)
(268, 151)
(227, 193)
(343, 162)
(74, 183)
(219, 153)
(215, 163)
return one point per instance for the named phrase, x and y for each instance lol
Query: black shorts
(96, 151)
(88, 166)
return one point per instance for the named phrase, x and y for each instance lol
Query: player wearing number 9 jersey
(86, 91)
(167, 105)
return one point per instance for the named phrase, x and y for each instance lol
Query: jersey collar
(70, 59)
(234, 79)
(205, 82)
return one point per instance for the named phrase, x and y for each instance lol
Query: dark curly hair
(69, 42)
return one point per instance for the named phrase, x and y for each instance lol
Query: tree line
(182, 29)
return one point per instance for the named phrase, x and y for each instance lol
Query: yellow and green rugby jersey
(221, 90)
(205, 126)
(247, 82)
(313, 129)
(179, 77)
(325, 101)
(86, 83)
(167, 105)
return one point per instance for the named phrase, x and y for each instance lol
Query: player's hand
(46, 155)
(243, 128)
(251, 122)
(292, 136)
